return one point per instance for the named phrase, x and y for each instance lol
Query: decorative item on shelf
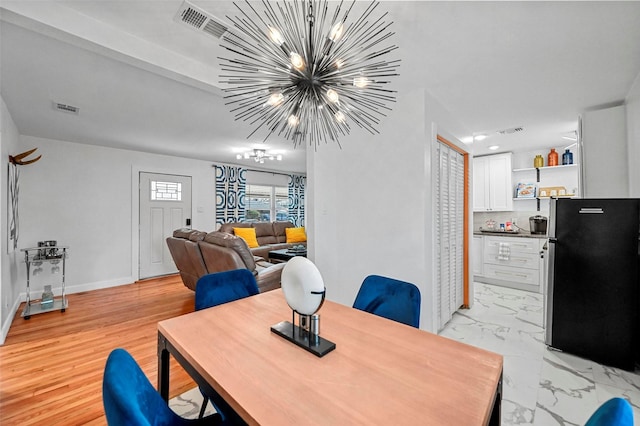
(259, 155)
(526, 190)
(567, 157)
(304, 291)
(552, 158)
(538, 161)
(47, 296)
(304, 72)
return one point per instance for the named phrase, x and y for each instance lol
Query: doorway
(165, 205)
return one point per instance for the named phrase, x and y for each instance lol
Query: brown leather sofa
(270, 235)
(197, 253)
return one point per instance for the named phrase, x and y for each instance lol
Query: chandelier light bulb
(361, 82)
(332, 95)
(339, 63)
(279, 157)
(275, 99)
(247, 155)
(336, 32)
(339, 116)
(297, 61)
(239, 156)
(293, 120)
(275, 36)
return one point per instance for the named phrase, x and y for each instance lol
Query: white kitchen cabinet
(476, 252)
(516, 262)
(492, 188)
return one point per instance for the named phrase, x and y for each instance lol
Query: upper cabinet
(492, 188)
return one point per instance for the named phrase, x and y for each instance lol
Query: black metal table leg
(163, 367)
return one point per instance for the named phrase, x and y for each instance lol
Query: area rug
(188, 404)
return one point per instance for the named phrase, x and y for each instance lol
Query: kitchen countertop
(521, 234)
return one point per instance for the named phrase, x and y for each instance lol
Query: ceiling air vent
(70, 109)
(511, 130)
(199, 20)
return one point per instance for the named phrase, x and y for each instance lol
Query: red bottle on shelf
(552, 158)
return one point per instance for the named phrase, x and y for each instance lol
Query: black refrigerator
(593, 293)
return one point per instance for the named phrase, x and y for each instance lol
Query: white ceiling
(144, 82)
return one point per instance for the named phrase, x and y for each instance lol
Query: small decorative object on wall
(304, 291)
(13, 193)
(305, 72)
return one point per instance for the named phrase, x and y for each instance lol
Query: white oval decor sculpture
(302, 286)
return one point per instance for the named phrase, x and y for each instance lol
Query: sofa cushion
(236, 243)
(264, 233)
(279, 230)
(183, 233)
(247, 234)
(228, 227)
(296, 235)
(197, 236)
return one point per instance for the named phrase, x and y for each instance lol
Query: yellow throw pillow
(296, 235)
(247, 234)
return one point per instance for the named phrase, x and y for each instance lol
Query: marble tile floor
(541, 387)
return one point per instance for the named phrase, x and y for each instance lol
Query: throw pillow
(247, 234)
(296, 235)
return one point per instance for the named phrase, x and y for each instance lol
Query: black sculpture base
(301, 337)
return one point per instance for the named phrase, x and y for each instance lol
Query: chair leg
(204, 406)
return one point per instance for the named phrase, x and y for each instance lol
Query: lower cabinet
(516, 262)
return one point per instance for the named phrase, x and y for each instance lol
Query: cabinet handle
(510, 274)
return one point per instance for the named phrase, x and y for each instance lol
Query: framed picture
(526, 190)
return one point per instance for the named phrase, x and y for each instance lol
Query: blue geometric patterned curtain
(296, 199)
(231, 184)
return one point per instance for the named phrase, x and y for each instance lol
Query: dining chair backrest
(614, 412)
(223, 287)
(131, 400)
(390, 298)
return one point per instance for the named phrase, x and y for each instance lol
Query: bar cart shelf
(56, 256)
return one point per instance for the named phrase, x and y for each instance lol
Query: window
(265, 202)
(166, 191)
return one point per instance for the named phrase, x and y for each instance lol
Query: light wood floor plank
(51, 365)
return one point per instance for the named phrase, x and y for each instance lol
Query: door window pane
(166, 191)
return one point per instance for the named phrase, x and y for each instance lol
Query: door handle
(188, 221)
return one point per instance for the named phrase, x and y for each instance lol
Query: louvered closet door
(449, 215)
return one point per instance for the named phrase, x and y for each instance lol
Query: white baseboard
(69, 289)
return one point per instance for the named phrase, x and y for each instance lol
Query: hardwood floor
(51, 365)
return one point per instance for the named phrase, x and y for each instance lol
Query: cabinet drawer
(509, 273)
(516, 260)
(514, 244)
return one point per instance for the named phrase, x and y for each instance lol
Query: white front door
(165, 205)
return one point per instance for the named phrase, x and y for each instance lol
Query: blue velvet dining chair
(390, 298)
(614, 412)
(131, 400)
(216, 289)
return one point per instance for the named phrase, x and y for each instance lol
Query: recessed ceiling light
(479, 137)
(467, 140)
(494, 147)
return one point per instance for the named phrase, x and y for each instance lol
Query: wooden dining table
(381, 371)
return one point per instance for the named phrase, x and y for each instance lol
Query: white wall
(370, 210)
(86, 197)
(604, 153)
(9, 258)
(633, 137)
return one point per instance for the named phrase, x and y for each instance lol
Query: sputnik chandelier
(304, 72)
